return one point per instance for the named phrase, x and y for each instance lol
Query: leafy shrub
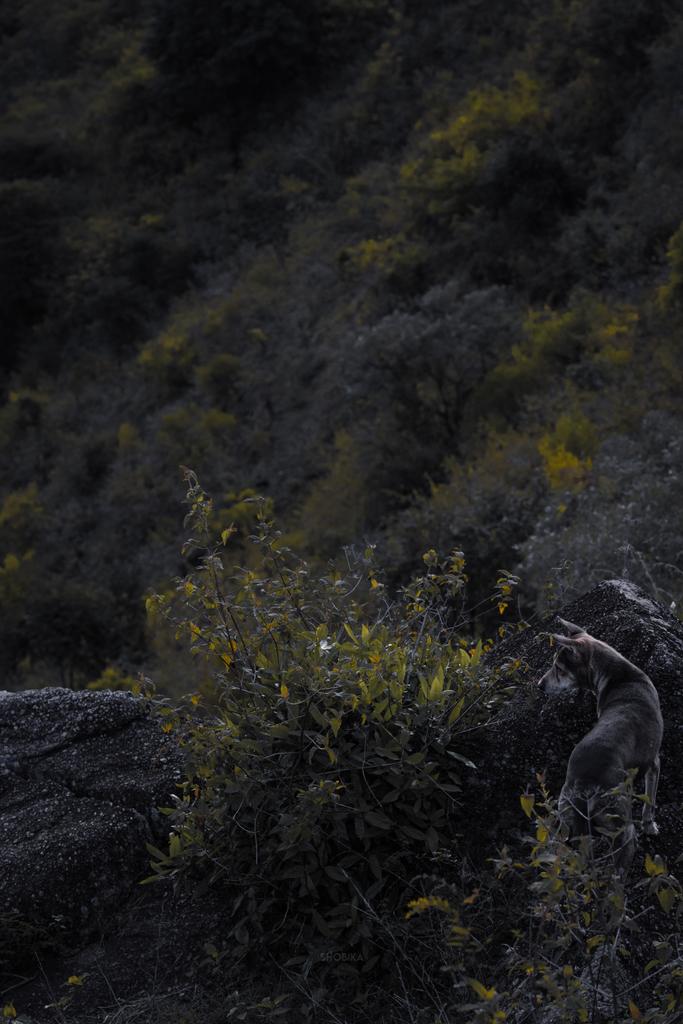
(114, 678)
(419, 373)
(670, 294)
(555, 935)
(484, 506)
(335, 509)
(20, 514)
(457, 154)
(119, 275)
(328, 768)
(169, 358)
(491, 185)
(577, 952)
(393, 259)
(567, 451)
(588, 329)
(624, 522)
(218, 378)
(565, 470)
(127, 437)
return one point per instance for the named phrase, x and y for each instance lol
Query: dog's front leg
(650, 826)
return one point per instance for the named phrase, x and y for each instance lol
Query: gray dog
(627, 735)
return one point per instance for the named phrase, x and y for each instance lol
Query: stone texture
(81, 774)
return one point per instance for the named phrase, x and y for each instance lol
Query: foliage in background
(406, 269)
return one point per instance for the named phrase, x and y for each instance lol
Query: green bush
(457, 156)
(328, 769)
(589, 330)
(120, 278)
(219, 378)
(577, 948)
(669, 294)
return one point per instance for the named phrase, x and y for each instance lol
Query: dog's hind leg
(572, 807)
(650, 826)
(613, 818)
(613, 834)
(624, 848)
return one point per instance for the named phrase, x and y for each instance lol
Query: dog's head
(571, 668)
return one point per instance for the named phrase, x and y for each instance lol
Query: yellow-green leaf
(481, 990)
(654, 867)
(416, 758)
(527, 801)
(8, 1010)
(436, 689)
(634, 1011)
(456, 711)
(666, 899)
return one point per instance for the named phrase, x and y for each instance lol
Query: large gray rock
(536, 733)
(81, 774)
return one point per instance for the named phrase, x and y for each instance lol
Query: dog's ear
(569, 627)
(568, 641)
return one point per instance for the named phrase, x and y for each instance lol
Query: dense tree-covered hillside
(412, 271)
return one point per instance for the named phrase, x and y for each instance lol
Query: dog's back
(628, 732)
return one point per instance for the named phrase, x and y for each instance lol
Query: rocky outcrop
(83, 771)
(81, 774)
(535, 733)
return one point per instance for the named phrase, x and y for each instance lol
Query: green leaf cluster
(324, 751)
